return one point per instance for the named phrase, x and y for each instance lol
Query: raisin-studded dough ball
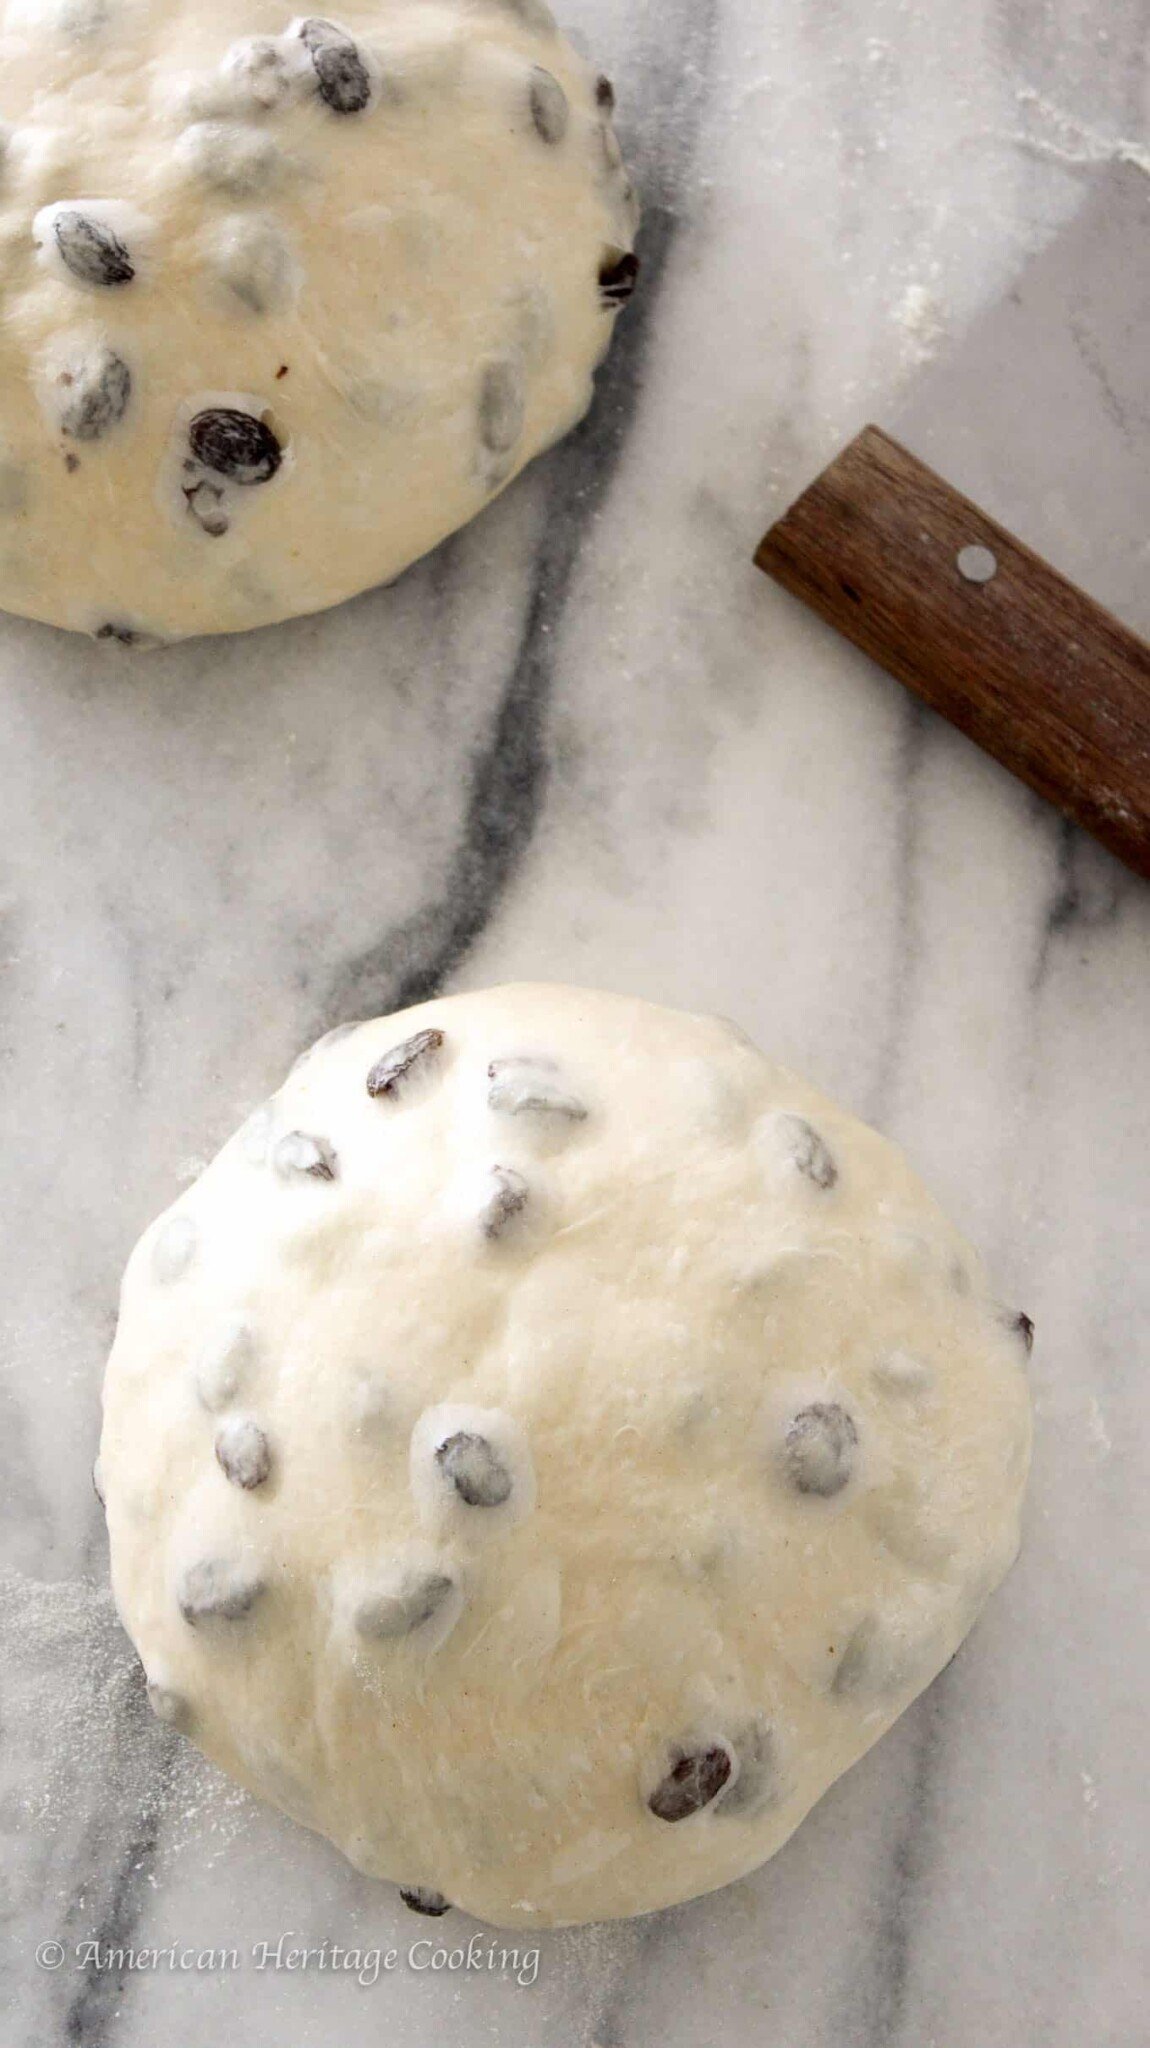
(283, 301)
(548, 1445)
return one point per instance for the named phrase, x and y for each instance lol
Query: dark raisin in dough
(300, 1153)
(549, 109)
(215, 1590)
(695, 1778)
(126, 636)
(501, 406)
(604, 93)
(811, 1154)
(389, 1073)
(420, 1900)
(474, 1469)
(1021, 1326)
(342, 79)
(508, 1197)
(235, 444)
(520, 1087)
(820, 1445)
(243, 1453)
(98, 397)
(617, 278)
(91, 251)
(390, 1615)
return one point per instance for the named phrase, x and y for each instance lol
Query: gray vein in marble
(872, 2016)
(1089, 894)
(607, 2025)
(507, 782)
(96, 2002)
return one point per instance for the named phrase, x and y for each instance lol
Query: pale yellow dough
(734, 1443)
(407, 294)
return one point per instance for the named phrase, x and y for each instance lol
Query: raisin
(604, 94)
(474, 1468)
(91, 251)
(235, 444)
(820, 1446)
(809, 1153)
(1020, 1326)
(419, 1899)
(219, 1590)
(98, 397)
(617, 275)
(508, 1196)
(696, 1777)
(418, 1599)
(389, 1073)
(243, 1453)
(521, 1088)
(502, 403)
(549, 109)
(342, 79)
(299, 1153)
(125, 636)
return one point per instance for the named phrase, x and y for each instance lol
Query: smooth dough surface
(548, 1445)
(285, 299)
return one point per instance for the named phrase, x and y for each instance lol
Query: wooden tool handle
(1002, 645)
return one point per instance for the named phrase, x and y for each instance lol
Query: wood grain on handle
(1028, 666)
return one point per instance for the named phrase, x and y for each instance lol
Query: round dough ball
(548, 1445)
(285, 301)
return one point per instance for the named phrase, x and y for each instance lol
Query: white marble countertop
(587, 742)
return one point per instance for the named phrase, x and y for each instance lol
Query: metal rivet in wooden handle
(982, 629)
